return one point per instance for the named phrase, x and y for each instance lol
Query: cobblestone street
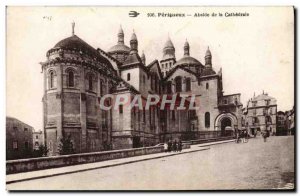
(252, 165)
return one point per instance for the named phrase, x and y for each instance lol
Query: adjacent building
(18, 139)
(282, 128)
(290, 118)
(77, 76)
(38, 139)
(260, 114)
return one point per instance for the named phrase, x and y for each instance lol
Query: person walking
(180, 146)
(244, 136)
(174, 145)
(237, 136)
(265, 135)
(166, 147)
(169, 146)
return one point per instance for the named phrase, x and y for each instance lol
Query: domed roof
(119, 48)
(208, 71)
(186, 44)
(264, 96)
(133, 36)
(120, 30)
(169, 43)
(208, 53)
(74, 42)
(188, 60)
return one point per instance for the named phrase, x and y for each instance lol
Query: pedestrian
(166, 147)
(237, 136)
(265, 135)
(169, 146)
(244, 136)
(174, 145)
(268, 133)
(180, 146)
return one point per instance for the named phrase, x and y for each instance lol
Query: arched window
(50, 146)
(111, 87)
(52, 80)
(255, 120)
(151, 82)
(268, 119)
(207, 120)
(128, 76)
(235, 101)
(169, 87)
(178, 86)
(207, 86)
(188, 84)
(101, 88)
(90, 80)
(173, 114)
(121, 109)
(70, 79)
(156, 83)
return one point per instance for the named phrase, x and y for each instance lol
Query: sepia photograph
(158, 98)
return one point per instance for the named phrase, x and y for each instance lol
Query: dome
(169, 44)
(119, 48)
(186, 44)
(188, 60)
(133, 36)
(120, 30)
(168, 50)
(74, 42)
(207, 72)
(264, 96)
(208, 53)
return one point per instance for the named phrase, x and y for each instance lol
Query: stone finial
(73, 28)
(186, 48)
(143, 58)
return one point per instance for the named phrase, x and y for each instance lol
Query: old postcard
(150, 98)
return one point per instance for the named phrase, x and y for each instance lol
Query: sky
(256, 53)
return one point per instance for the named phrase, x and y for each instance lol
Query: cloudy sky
(254, 52)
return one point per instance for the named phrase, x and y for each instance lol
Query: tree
(41, 152)
(66, 146)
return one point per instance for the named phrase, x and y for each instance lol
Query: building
(18, 139)
(260, 114)
(290, 118)
(38, 139)
(77, 77)
(281, 123)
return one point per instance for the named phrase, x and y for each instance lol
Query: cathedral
(77, 76)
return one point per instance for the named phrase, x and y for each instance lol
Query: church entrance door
(225, 122)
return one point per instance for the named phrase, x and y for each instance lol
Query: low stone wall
(186, 145)
(25, 165)
(201, 141)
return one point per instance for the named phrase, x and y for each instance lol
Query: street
(252, 165)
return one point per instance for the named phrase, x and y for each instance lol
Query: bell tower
(169, 58)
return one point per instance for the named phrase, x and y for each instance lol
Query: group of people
(265, 135)
(173, 146)
(243, 135)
